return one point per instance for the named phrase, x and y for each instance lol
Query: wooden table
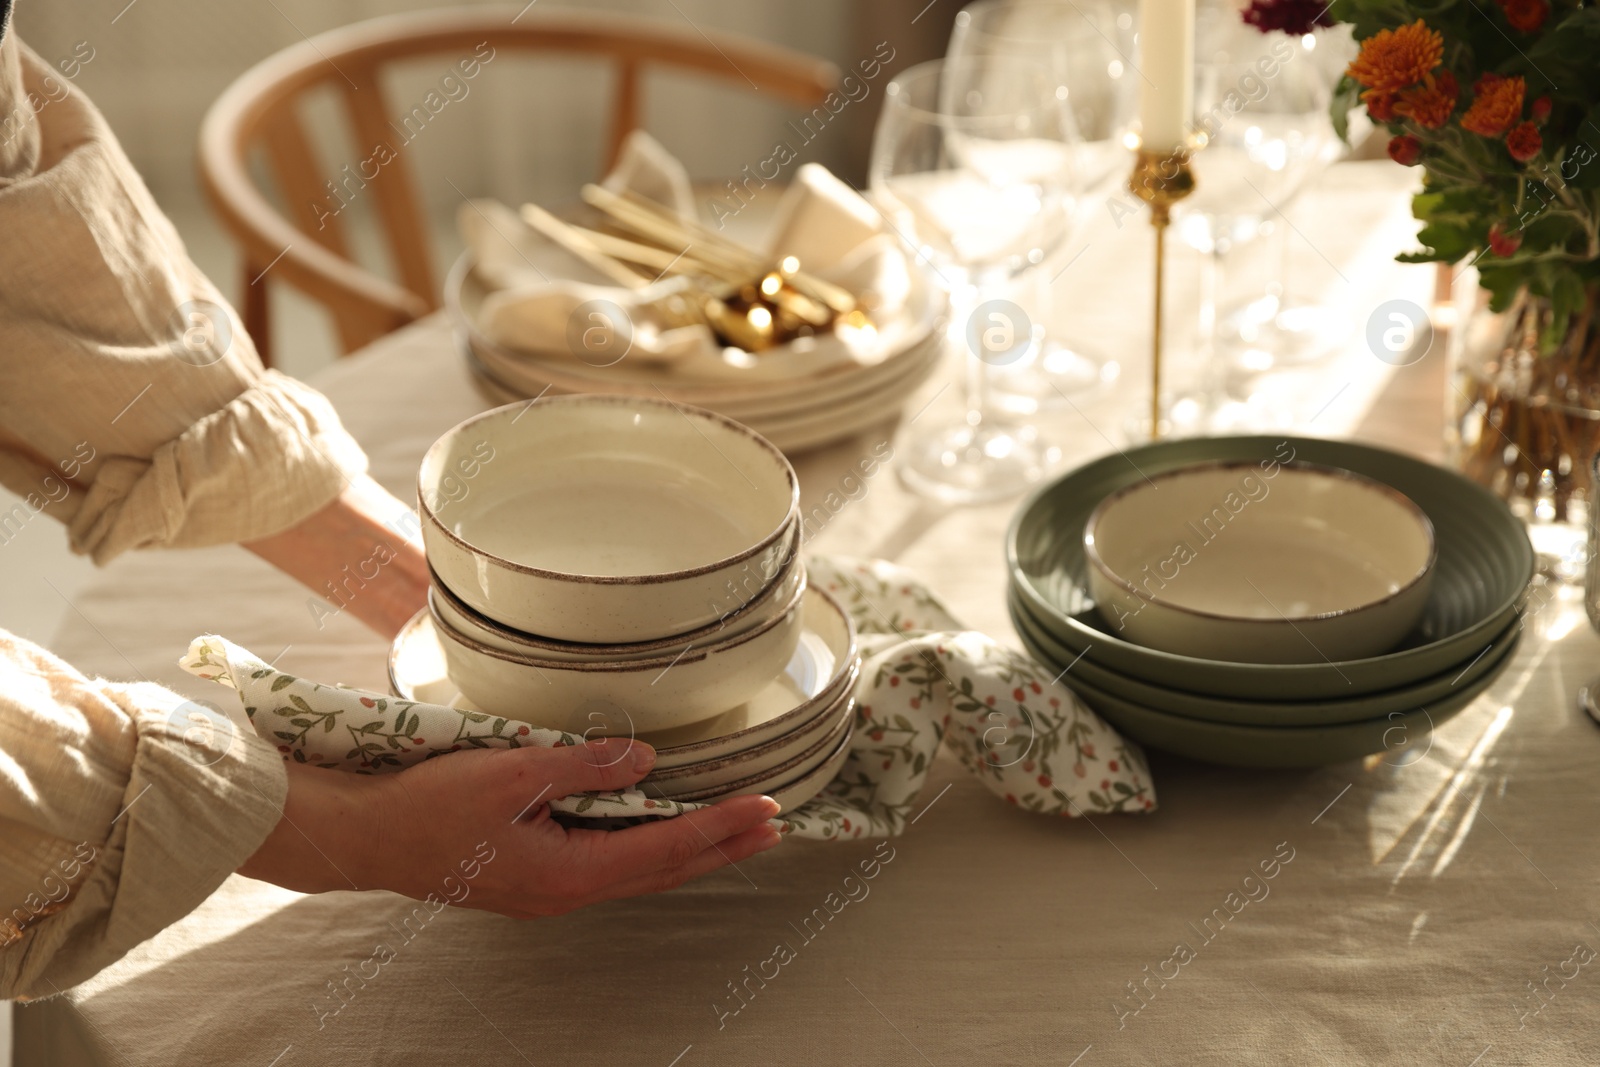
(1425, 897)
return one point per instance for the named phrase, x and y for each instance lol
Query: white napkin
(925, 680)
(821, 221)
(647, 168)
(598, 324)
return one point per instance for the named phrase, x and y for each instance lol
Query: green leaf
(284, 735)
(499, 725)
(262, 673)
(300, 702)
(1123, 787)
(585, 804)
(327, 724)
(412, 728)
(1447, 241)
(1346, 98)
(903, 723)
(301, 722)
(1503, 284)
(281, 681)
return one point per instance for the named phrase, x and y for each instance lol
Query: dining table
(1434, 903)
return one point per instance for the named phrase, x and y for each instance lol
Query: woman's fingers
(621, 855)
(736, 849)
(540, 775)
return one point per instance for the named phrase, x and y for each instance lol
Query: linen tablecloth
(1434, 904)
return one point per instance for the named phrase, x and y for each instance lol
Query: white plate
(806, 429)
(530, 376)
(787, 756)
(825, 664)
(796, 791)
(791, 795)
(786, 367)
(790, 774)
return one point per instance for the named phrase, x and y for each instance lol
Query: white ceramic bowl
(605, 519)
(626, 696)
(1260, 563)
(824, 667)
(449, 611)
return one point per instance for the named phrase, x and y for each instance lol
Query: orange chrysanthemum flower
(1429, 105)
(1380, 105)
(1497, 106)
(1392, 60)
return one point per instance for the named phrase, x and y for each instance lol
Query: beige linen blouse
(134, 409)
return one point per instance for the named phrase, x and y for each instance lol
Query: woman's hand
(481, 819)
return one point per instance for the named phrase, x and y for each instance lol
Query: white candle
(1166, 59)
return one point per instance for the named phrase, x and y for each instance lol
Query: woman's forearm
(358, 555)
(328, 827)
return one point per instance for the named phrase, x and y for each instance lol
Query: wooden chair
(260, 113)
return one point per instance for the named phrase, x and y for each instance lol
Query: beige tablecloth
(1417, 902)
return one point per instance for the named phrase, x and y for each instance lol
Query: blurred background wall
(529, 128)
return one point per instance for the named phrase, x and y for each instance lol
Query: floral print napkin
(925, 679)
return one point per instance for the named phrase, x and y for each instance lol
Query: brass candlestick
(1160, 179)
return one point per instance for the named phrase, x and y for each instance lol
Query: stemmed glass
(972, 165)
(1281, 328)
(1087, 45)
(1262, 119)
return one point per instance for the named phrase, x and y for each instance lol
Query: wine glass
(1262, 122)
(972, 166)
(1087, 45)
(1281, 328)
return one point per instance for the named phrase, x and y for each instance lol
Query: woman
(134, 410)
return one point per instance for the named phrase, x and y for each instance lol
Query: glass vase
(1526, 418)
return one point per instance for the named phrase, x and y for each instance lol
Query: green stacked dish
(1283, 715)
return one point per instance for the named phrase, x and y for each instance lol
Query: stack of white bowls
(625, 566)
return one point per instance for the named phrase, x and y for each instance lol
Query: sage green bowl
(1482, 572)
(1235, 745)
(1460, 676)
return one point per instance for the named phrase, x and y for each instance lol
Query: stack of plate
(787, 741)
(1275, 714)
(609, 565)
(798, 396)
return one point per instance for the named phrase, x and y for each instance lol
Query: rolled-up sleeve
(133, 406)
(122, 807)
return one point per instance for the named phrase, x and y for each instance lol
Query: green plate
(1278, 746)
(1483, 569)
(1484, 661)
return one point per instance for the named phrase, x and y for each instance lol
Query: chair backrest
(310, 249)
